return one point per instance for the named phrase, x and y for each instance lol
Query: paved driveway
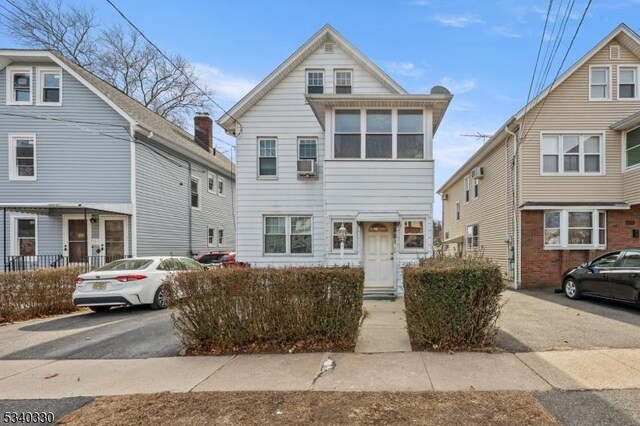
(540, 320)
(133, 332)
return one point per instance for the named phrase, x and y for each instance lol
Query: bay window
(632, 147)
(379, 137)
(575, 229)
(571, 154)
(410, 134)
(347, 136)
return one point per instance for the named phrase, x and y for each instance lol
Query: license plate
(99, 285)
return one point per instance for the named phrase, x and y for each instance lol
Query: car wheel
(100, 308)
(572, 290)
(160, 299)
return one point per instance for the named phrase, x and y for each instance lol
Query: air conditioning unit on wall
(477, 173)
(445, 197)
(307, 168)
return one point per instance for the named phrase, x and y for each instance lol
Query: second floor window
(347, 136)
(343, 81)
(467, 189)
(476, 188)
(315, 81)
(457, 210)
(632, 147)
(627, 83)
(195, 192)
(20, 83)
(211, 182)
(410, 134)
(571, 154)
(599, 80)
(307, 149)
(22, 157)
(379, 139)
(267, 157)
(49, 81)
(220, 186)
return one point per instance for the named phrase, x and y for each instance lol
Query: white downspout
(516, 235)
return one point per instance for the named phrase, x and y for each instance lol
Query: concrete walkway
(384, 328)
(405, 371)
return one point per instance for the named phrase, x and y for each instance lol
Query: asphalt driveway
(540, 320)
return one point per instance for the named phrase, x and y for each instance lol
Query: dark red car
(220, 260)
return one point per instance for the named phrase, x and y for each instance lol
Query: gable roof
(133, 111)
(326, 33)
(625, 36)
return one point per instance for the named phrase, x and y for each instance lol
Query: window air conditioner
(307, 168)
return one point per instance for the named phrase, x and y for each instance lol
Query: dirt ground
(428, 408)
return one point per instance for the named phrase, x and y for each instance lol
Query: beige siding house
(560, 181)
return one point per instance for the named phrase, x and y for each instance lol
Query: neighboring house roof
(625, 36)
(132, 110)
(228, 120)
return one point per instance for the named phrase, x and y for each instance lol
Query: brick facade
(544, 268)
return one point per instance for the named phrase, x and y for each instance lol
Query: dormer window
(19, 82)
(315, 81)
(343, 81)
(49, 86)
(600, 83)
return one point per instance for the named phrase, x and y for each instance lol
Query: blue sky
(483, 51)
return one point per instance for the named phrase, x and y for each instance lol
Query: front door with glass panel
(76, 238)
(113, 241)
(378, 256)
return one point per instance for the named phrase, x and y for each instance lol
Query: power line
(173, 64)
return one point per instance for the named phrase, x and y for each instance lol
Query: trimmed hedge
(452, 303)
(38, 293)
(252, 310)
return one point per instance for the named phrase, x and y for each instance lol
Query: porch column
(4, 238)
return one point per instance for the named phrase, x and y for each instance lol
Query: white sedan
(129, 282)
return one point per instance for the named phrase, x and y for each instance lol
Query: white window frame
(41, 71)
(221, 190)
(211, 178)
(335, 80)
(10, 92)
(199, 207)
(457, 211)
(424, 235)
(13, 231)
(564, 230)
(475, 237)
(13, 166)
(467, 189)
(476, 188)
(288, 234)
(609, 81)
(313, 139)
(636, 69)
(306, 80)
(582, 136)
(220, 237)
(626, 168)
(354, 230)
(211, 237)
(266, 138)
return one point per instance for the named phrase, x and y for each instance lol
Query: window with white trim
(267, 157)
(347, 134)
(20, 86)
(599, 82)
(308, 149)
(476, 188)
(467, 189)
(211, 236)
(457, 210)
(575, 229)
(221, 186)
(627, 82)
(472, 237)
(49, 86)
(413, 232)
(315, 81)
(343, 81)
(410, 133)
(571, 154)
(211, 182)
(195, 192)
(22, 156)
(288, 234)
(348, 242)
(632, 147)
(26, 236)
(220, 236)
(379, 140)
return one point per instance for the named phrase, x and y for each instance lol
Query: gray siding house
(88, 174)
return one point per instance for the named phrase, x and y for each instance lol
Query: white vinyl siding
(572, 154)
(579, 229)
(22, 156)
(599, 83)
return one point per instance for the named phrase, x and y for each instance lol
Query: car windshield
(212, 259)
(126, 265)
(224, 258)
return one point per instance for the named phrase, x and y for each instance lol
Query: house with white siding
(330, 148)
(559, 183)
(87, 174)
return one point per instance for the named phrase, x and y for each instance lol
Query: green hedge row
(238, 310)
(453, 303)
(32, 294)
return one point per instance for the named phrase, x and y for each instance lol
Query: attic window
(315, 81)
(614, 51)
(19, 81)
(343, 81)
(328, 48)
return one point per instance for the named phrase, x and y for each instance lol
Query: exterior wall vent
(328, 48)
(614, 51)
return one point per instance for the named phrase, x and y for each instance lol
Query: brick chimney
(203, 130)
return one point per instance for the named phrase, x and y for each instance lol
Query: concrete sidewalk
(384, 328)
(406, 371)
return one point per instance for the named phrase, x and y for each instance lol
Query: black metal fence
(28, 263)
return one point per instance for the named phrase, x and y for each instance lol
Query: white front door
(76, 237)
(113, 237)
(378, 255)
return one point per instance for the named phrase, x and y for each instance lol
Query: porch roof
(627, 123)
(45, 208)
(378, 217)
(550, 205)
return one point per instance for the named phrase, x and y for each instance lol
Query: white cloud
(458, 86)
(505, 32)
(419, 2)
(456, 21)
(405, 69)
(225, 87)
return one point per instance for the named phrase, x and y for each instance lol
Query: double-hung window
(221, 186)
(211, 182)
(308, 149)
(347, 135)
(211, 236)
(348, 241)
(457, 210)
(220, 236)
(632, 147)
(288, 234)
(267, 157)
(315, 81)
(195, 192)
(599, 83)
(19, 86)
(413, 231)
(476, 188)
(571, 154)
(410, 134)
(472, 237)
(575, 229)
(467, 189)
(343, 81)
(50, 86)
(22, 156)
(25, 231)
(379, 138)
(627, 82)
